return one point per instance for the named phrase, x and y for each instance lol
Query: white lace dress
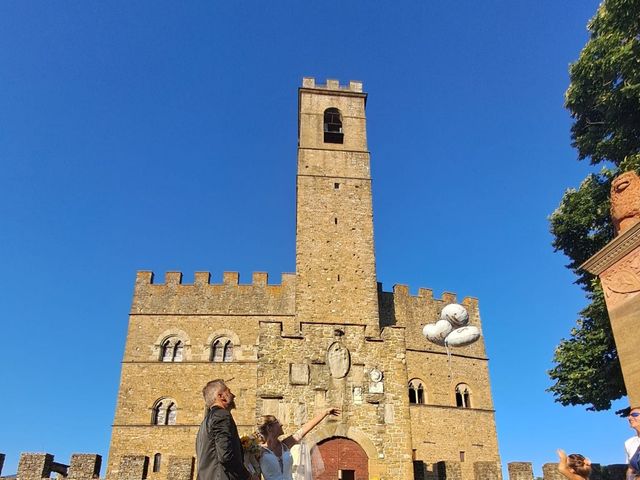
(274, 467)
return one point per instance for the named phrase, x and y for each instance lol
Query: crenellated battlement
(400, 308)
(203, 297)
(38, 466)
(146, 277)
(353, 86)
(425, 295)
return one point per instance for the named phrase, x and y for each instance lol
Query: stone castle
(275, 343)
(326, 335)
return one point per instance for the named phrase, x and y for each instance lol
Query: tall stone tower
(325, 335)
(335, 263)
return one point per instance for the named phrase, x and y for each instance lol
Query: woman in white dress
(276, 461)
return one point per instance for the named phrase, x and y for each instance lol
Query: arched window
(463, 396)
(164, 412)
(333, 126)
(157, 458)
(171, 350)
(416, 391)
(222, 350)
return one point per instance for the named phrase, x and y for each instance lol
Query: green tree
(604, 100)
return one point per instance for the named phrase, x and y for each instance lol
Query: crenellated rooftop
(331, 84)
(425, 295)
(173, 297)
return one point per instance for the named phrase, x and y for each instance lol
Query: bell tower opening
(333, 126)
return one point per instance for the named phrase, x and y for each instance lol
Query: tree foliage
(604, 100)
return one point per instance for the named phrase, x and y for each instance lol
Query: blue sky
(162, 135)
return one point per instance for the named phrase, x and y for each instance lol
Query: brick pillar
(449, 470)
(34, 466)
(133, 467)
(550, 472)
(180, 468)
(487, 471)
(84, 466)
(520, 471)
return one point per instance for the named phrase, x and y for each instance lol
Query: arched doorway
(343, 459)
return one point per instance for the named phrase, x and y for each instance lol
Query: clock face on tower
(375, 375)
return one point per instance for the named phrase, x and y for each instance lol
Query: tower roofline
(331, 87)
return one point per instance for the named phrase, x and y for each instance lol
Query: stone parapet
(34, 466)
(173, 297)
(331, 84)
(400, 308)
(550, 472)
(180, 468)
(136, 467)
(520, 471)
(487, 471)
(133, 467)
(84, 466)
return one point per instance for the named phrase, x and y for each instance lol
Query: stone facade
(324, 335)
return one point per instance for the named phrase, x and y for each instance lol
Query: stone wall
(375, 416)
(138, 467)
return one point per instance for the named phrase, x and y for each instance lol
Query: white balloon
(456, 314)
(437, 332)
(462, 336)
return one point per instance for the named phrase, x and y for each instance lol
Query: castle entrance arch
(343, 459)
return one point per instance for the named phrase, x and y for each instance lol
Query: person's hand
(562, 455)
(332, 411)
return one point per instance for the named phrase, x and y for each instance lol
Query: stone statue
(625, 201)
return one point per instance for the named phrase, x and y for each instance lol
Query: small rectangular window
(336, 186)
(461, 456)
(335, 220)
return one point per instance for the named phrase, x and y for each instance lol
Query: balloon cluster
(452, 330)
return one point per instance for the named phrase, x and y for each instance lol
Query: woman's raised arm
(291, 440)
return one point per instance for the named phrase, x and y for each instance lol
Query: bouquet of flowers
(252, 453)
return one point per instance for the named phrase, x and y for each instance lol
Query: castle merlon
(331, 84)
(426, 294)
(173, 297)
(258, 279)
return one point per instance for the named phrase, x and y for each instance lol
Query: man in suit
(218, 445)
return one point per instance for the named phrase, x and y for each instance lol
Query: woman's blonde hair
(263, 425)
